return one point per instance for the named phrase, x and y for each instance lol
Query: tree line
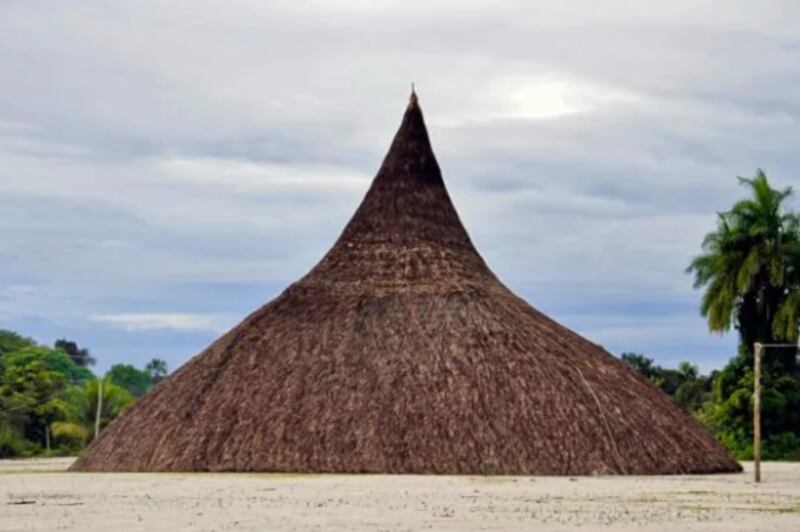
(49, 395)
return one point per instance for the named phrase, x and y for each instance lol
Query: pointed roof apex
(408, 202)
(412, 100)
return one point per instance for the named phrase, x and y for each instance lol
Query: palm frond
(753, 255)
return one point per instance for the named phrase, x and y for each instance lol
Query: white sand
(38, 495)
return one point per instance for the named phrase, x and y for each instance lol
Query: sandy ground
(39, 495)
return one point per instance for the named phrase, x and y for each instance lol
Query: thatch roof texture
(401, 352)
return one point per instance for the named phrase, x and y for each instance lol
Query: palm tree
(750, 267)
(157, 369)
(80, 425)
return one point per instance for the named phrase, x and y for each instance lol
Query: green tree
(56, 360)
(645, 366)
(11, 341)
(78, 428)
(693, 389)
(32, 392)
(81, 356)
(157, 369)
(116, 400)
(750, 269)
(48, 397)
(136, 381)
(686, 386)
(687, 371)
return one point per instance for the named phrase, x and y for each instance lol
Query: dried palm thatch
(401, 352)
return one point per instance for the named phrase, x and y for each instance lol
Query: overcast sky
(168, 167)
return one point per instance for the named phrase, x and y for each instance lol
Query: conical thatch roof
(401, 352)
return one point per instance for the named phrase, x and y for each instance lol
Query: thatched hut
(401, 352)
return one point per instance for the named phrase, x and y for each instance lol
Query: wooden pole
(99, 407)
(757, 348)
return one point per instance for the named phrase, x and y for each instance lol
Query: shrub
(13, 445)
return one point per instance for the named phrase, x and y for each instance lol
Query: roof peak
(408, 201)
(412, 100)
(406, 234)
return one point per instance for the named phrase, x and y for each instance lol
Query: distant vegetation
(690, 390)
(49, 396)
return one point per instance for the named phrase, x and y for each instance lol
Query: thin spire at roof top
(412, 101)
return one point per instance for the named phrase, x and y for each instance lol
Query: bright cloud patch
(173, 321)
(552, 97)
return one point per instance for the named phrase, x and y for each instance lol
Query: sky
(168, 167)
